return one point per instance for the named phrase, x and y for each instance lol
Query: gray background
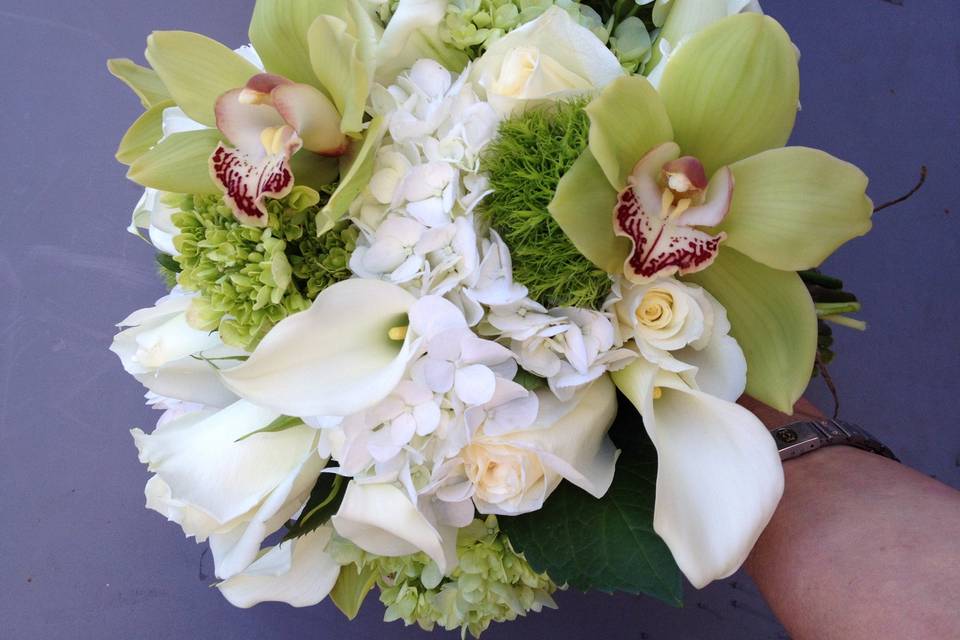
(79, 555)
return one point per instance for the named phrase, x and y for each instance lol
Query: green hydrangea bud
(492, 583)
(249, 279)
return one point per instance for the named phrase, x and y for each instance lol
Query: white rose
(222, 487)
(158, 346)
(683, 329)
(155, 216)
(514, 473)
(550, 58)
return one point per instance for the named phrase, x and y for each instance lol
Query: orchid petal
(278, 31)
(247, 180)
(732, 91)
(196, 70)
(717, 204)
(299, 573)
(312, 116)
(380, 519)
(178, 164)
(685, 19)
(627, 120)
(143, 134)
(243, 124)
(719, 475)
(356, 170)
(142, 81)
(335, 358)
(793, 207)
(336, 58)
(773, 320)
(199, 458)
(582, 207)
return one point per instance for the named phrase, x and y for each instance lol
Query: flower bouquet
(463, 294)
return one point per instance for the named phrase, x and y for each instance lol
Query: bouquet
(462, 295)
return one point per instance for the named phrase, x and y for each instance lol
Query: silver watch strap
(796, 439)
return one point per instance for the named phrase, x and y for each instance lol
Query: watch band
(796, 439)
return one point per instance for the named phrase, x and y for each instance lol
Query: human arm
(860, 548)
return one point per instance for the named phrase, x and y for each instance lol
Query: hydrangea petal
(793, 207)
(335, 358)
(774, 321)
(732, 91)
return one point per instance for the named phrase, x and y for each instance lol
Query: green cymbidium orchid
(319, 56)
(727, 102)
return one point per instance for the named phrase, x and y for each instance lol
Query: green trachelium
(525, 163)
(250, 279)
(492, 583)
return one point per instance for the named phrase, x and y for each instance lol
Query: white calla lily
(336, 358)
(719, 478)
(381, 519)
(158, 346)
(235, 492)
(299, 573)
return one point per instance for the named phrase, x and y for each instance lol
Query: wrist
(804, 410)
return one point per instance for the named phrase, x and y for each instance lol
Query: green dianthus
(249, 279)
(525, 163)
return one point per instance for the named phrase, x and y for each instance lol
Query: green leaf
(179, 164)
(609, 544)
(583, 207)
(197, 70)
(143, 134)
(338, 64)
(627, 120)
(732, 90)
(774, 321)
(793, 207)
(280, 424)
(356, 170)
(352, 588)
(142, 81)
(324, 502)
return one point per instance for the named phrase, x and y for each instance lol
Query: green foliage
(324, 502)
(492, 583)
(609, 544)
(250, 279)
(826, 290)
(168, 268)
(525, 162)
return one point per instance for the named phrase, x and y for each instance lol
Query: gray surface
(79, 555)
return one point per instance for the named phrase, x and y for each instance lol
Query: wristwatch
(796, 439)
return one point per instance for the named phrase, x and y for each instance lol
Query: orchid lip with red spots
(666, 197)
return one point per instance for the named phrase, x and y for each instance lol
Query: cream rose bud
(666, 314)
(549, 58)
(514, 473)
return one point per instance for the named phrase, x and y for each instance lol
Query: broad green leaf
(608, 544)
(793, 207)
(627, 120)
(280, 424)
(732, 90)
(143, 134)
(583, 207)
(352, 588)
(324, 501)
(197, 70)
(179, 164)
(142, 81)
(336, 57)
(356, 171)
(774, 321)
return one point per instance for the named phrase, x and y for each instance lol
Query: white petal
(475, 384)
(199, 458)
(380, 519)
(299, 572)
(335, 358)
(721, 367)
(432, 315)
